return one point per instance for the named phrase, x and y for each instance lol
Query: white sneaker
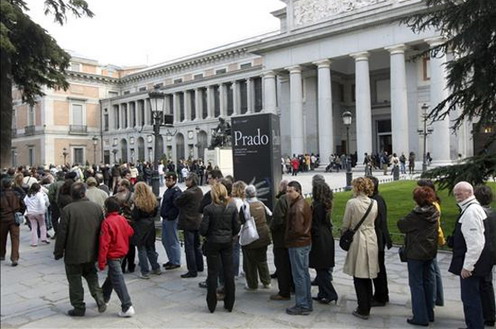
(267, 286)
(129, 313)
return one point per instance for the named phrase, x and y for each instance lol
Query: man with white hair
(471, 259)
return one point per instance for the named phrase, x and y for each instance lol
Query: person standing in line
(298, 240)
(381, 291)
(362, 258)
(143, 216)
(219, 225)
(10, 203)
(126, 198)
(281, 256)
(170, 213)
(411, 163)
(322, 252)
(114, 244)
(93, 193)
(484, 195)
(441, 241)
(36, 205)
(255, 253)
(471, 260)
(403, 163)
(420, 227)
(77, 242)
(238, 198)
(189, 221)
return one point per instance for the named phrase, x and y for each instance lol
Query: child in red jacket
(114, 245)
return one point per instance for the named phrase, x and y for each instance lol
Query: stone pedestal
(222, 158)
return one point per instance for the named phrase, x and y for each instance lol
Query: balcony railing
(78, 129)
(29, 130)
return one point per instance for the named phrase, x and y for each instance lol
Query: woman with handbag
(219, 225)
(322, 252)
(362, 258)
(255, 253)
(143, 221)
(421, 229)
(10, 203)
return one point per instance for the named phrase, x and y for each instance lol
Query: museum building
(329, 57)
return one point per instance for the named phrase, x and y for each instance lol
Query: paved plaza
(35, 295)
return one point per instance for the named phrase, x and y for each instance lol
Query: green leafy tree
(469, 28)
(30, 59)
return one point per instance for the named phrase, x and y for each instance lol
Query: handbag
(402, 254)
(248, 232)
(19, 218)
(347, 236)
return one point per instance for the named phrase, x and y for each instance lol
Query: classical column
(270, 103)
(223, 100)
(399, 103)
(198, 104)
(324, 106)
(187, 105)
(249, 96)
(363, 117)
(439, 141)
(175, 109)
(296, 110)
(236, 98)
(210, 102)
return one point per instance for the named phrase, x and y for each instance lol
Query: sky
(148, 32)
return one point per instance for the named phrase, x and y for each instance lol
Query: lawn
(398, 196)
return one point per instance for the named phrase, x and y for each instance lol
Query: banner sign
(256, 144)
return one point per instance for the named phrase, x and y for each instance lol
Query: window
(105, 120)
(178, 81)
(383, 91)
(245, 66)
(243, 96)
(257, 83)
(76, 67)
(78, 155)
(220, 71)
(142, 89)
(126, 92)
(198, 76)
(426, 68)
(77, 115)
(31, 116)
(31, 155)
(113, 93)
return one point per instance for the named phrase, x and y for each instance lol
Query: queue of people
(301, 232)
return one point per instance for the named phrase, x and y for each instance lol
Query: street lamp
(95, 142)
(425, 132)
(65, 154)
(157, 103)
(347, 119)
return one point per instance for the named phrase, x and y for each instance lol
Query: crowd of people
(104, 224)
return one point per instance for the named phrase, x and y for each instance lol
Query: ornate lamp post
(65, 154)
(157, 102)
(425, 132)
(347, 119)
(95, 142)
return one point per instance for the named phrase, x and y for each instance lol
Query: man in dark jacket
(189, 221)
(281, 256)
(77, 242)
(298, 240)
(381, 291)
(170, 213)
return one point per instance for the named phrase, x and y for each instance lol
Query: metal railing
(78, 129)
(29, 130)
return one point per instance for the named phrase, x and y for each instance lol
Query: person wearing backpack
(484, 195)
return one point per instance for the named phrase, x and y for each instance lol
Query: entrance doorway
(384, 137)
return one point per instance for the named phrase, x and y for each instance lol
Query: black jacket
(381, 224)
(322, 252)
(143, 224)
(420, 226)
(169, 210)
(278, 223)
(189, 203)
(220, 223)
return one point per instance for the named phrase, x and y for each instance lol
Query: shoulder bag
(347, 236)
(249, 231)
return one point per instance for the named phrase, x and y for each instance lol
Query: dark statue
(222, 135)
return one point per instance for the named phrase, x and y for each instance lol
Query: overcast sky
(131, 32)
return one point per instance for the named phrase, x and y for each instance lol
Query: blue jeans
(115, 280)
(472, 304)
(192, 249)
(421, 283)
(170, 241)
(298, 257)
(438, 284)
(145, 254)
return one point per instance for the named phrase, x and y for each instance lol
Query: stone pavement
(35, 295)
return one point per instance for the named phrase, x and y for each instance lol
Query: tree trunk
(5, 110)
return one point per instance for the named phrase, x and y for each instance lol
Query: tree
(469, 28)
(30, 59)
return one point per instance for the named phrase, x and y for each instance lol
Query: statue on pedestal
(222, 135)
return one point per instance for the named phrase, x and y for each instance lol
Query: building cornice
(89, 77)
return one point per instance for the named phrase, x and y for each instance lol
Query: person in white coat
(36, 205)
(362, 259)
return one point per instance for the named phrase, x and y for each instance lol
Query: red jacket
(114, 238)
